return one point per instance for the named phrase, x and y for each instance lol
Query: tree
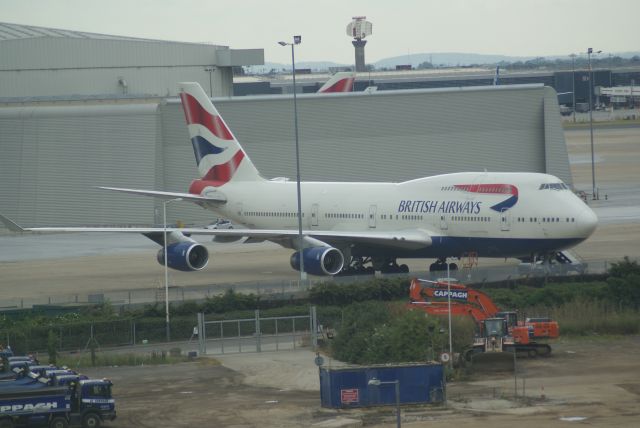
(624, 268)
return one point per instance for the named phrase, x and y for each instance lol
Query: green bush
(359, 323)
(623, 268)
(376, 332)
(335, 294)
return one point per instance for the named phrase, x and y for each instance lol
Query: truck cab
(92, 403)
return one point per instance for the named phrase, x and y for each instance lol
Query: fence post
(314, 327)
(222, 336)
(258, 344)
(202, 344)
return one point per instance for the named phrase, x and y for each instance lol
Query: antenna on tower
(359, 28)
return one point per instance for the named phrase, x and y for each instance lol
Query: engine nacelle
(185, 256)
(319, 260)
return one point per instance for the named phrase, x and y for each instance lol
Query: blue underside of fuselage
(451, 246)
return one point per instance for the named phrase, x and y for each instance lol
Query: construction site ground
(592, 381)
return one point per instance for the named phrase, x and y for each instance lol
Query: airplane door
(443, 223)
(314, 215)
(505, 221)
(372, 215)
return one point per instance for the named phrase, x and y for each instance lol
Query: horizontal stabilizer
(211, 196)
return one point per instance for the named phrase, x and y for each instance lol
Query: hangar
(45, 62)
(56, 149)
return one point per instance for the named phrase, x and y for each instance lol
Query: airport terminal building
(110, 117)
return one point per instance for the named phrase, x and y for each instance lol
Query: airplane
(359, 227)
(339, 82)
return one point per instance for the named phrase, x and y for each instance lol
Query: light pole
(210, 69)
(449, 312)
(166, 268)
(296, 41)
(377, 382)
(573, 83)
(593, 165)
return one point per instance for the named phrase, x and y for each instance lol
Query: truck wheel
(59, 422)
(91, 420)
(6, 423)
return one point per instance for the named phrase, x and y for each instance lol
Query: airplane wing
(404, 239)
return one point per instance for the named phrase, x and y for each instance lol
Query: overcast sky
(400, 27)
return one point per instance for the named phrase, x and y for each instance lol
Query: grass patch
(585, 317)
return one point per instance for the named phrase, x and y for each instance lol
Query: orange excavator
(500, 331)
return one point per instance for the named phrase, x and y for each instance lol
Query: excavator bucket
(492, 362)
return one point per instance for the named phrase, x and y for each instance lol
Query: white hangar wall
(52, 156)
(52, 159)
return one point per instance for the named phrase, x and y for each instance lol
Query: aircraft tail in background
(339, 82)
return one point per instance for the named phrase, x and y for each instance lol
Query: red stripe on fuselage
(194, 113)
(497, 189)
(218, 175)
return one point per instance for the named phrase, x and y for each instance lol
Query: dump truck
(84, 403)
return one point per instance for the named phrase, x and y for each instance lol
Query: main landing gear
(369, 266)
(440, 265)
(357, 266)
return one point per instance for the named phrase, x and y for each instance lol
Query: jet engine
(185, 256)
(319, 260)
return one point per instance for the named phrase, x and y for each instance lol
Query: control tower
(359, 28)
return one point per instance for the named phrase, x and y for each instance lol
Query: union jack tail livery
(218, 154)
(339, 82)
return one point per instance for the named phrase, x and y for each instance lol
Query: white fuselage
(545, 216)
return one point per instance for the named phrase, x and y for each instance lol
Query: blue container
(349, 386)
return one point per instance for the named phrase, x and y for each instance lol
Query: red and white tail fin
(339, 82)
(219, 156)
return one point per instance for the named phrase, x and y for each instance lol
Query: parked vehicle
(86, 403)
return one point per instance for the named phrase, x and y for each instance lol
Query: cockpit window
(553, 186)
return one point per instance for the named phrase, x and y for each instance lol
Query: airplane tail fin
(339, 82)
(219, 156)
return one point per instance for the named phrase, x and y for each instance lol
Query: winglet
(11, 225)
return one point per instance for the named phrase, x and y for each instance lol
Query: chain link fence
(105, 334)
(284, 289)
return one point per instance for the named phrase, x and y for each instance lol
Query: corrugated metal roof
(16, 31)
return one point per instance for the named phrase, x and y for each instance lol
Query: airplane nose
(587, 222)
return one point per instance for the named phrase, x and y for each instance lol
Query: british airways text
(447, 207)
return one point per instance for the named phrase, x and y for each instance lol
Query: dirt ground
(594, 380)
